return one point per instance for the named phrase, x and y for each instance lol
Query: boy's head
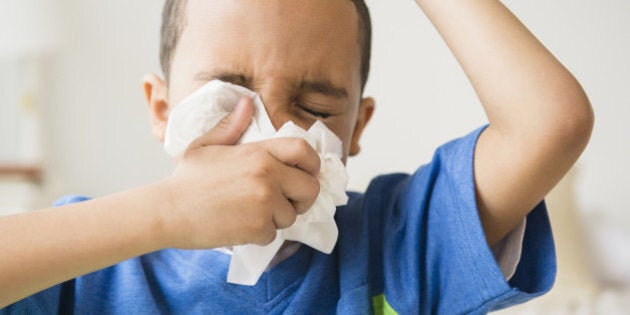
(308, 59)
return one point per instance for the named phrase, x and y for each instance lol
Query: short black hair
(173, 21)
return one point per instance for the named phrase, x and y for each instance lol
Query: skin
(270, 50)
(540, 121)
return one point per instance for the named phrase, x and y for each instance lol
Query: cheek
(178, 90)
(344, 128)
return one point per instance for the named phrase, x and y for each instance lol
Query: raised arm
(540, 118)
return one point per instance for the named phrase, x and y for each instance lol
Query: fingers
(298, 185)
(230, 129)
(296, 173)
(285, 215)
(288, 168)
(300, 188)
(282, 213)
(283, 173)
(284, 190)
(294, 152)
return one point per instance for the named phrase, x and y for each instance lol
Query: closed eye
(313, 112)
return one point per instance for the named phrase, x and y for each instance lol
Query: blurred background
(73, 117)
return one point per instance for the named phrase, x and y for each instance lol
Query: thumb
(229, 129)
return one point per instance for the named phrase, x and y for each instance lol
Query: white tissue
(203, 109)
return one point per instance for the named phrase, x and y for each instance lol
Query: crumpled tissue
(202, 110)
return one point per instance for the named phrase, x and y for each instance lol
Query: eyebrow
(323, 87)
(230, 77)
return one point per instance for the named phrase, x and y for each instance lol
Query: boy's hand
(232, 195)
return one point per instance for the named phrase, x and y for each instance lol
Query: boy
(410, 244)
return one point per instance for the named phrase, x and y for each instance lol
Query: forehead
(283, 38)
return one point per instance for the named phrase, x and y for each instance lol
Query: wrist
(161, 202)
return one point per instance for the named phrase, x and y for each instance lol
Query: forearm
(46, 247)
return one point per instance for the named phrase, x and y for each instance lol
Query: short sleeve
(435, 258)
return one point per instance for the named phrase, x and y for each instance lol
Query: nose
(279, 108)
(278, 117)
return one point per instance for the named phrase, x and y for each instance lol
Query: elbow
(585, 123)
(574, 126)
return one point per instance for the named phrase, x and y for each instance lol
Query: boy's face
(302, 57)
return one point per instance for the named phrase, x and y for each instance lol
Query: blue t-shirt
(410, 244)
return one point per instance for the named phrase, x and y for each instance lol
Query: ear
(366, 109)
(156, 95)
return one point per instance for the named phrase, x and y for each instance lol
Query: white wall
(98, 138)
(592, 38)
(97, 132)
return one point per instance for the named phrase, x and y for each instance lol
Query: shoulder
(448, 175)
